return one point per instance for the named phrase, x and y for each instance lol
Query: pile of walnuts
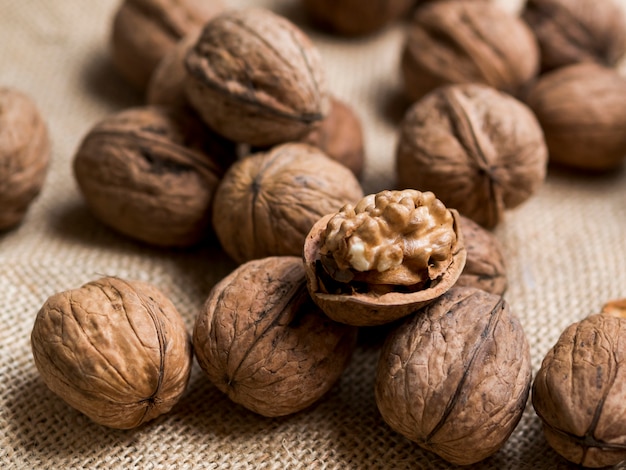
(241, 137)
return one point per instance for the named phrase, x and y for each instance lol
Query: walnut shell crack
(115, 350)
(262, 341)
(429, 234)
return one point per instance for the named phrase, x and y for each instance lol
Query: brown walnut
(572, 31)
(579, 391)
(582, 110)
(262, 341)
(479, 150)
(24, 155)
(457, 41)
(115, 350)
(151, 173)
(485, 267)
(455, 377)
(144, 31)
(356, 17)
(256, 78)
(267, 202)
(382, 259)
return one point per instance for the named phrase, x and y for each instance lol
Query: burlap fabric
(565, 247)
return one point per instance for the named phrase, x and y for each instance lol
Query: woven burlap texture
(565, 249)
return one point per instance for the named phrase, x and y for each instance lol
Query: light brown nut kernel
(579, 392)
(384, 258)
(262, 341)
(24, 155)
(115, 350)
(256, 78)
(455, 377)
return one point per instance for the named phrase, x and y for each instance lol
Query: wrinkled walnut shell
(256, 78)
(356, 17)
(582, 110)
(455, 377)
(457, 41)
(268, 202)
(144, 31)
(479, 150)
(359, 301)
(24, 155)
(115, 350)
(150, 173)
(573, 31)
(485, 267)
(262, 341)
(579, 392)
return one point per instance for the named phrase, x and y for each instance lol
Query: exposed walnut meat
(262, 341)
(392, 253)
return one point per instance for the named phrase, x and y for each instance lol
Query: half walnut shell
(391, 254)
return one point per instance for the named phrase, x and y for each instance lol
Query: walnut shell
(391, 254)
(24, 155)
(457, 41)
(579, 392)
(582, 110)
(340, 136)
(573, 31)
(115, 350)
(150, 173)
(144, 31)
(479, 150)
(455, 377)
(256, 78)
(267, 202)
(485, 267)
(262, 341)
(355, 17)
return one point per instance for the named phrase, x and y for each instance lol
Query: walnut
(458, 41)
(144, 31)
(115, 350)
(340, 136)
(262, 341)
(485, 267)
(579, 394)
(582, 110)
(572, 31)
(267, 202)
(256, 78)
(479, 150)
(151, 173)
(24, 155)
(382, 259)
(355, 17)
(455, 377)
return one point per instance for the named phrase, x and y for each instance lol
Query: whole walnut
(479, 150)
(340, 136)
(582, 110)
(24, 155)
(267, 202)
(383, 258)
(459, 41)
(144, 31)
(262, 341)
(256, 78)
(579, 394)
(355, 17)
(455, 377)
(572, 31)
(485, 267)
(115, 350)
(150, 173)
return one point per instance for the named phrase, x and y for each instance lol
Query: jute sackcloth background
(566, 252)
